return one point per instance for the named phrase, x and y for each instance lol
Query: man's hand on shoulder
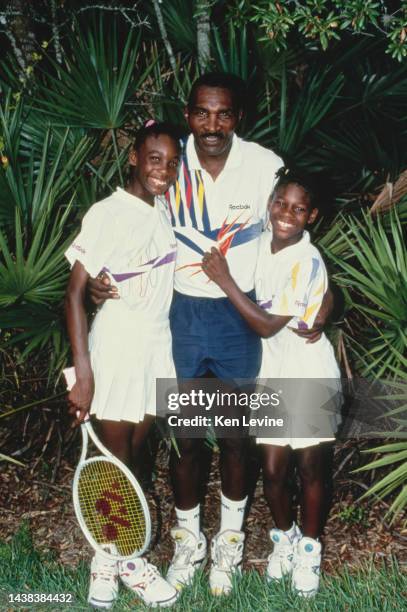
(100, 289)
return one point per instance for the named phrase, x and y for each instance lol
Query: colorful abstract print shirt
(292, 281)
(228, 213)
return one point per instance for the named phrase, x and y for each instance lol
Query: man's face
(212, 119)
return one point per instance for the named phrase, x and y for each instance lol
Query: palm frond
(299, 117)
(97, 81)
(374, 271)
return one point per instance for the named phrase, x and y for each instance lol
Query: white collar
(142, 207)
(290, 251)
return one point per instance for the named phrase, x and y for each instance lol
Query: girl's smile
(290, 211)
(156, 167)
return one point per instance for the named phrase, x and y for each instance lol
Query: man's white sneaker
(227, 553)
(103, 587)
(189, 555)
(281, 560)
(146, 582)
(305, 576)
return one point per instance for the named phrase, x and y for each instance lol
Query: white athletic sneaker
(189, 556)
(103, 587)
(146, 582)
(281, 560)
(227, 553)
(305, 576)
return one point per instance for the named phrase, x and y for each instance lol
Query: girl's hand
(215, 266)
(81, 395)
(100, 289)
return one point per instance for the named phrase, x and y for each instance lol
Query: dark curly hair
(315, 186)
(221, 80)
(157, 129)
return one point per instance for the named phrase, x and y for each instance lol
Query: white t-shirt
(134, 243)
(292, 281)
(228, 213)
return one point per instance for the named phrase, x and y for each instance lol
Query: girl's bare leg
(138, 446)
(125, 440)
(276, 483)
(311, 469)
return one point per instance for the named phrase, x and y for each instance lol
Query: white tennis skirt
(310, 379)
(128, 353)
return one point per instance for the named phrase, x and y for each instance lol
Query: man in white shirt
(220, 199)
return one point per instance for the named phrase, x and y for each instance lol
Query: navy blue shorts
(208, 334)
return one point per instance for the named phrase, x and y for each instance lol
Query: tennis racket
(109, 503)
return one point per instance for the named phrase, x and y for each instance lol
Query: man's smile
(212, 138)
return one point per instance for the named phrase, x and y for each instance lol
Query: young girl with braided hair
(291, 281)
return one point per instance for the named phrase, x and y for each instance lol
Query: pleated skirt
(129, 351)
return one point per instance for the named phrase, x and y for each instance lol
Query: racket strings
(111, 507)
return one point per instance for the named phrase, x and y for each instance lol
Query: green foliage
(178, 17)
(234, 57)
(42, 164)
(371, 259)
(361, 144)
(374, 272)
(396, 479)
(298, 119)
(352, 514)
(33, 277)
(25, 570)
(60, 154)
(323, 22)
(97, 81)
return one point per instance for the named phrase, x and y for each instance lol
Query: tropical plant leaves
(97, 80)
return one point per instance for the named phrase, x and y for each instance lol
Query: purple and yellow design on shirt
(301, 297)
(143, 268)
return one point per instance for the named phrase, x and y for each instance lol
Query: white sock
(231, 513)
(189, 519)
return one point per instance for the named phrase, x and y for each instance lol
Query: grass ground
(26, 571)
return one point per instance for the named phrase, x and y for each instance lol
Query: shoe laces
(306, 564)
(183, 554)
(225, 556)
(283, 551)
(150, 573)
(104, 569)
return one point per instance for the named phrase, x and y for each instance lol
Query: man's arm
(264, 324)
(81, 394)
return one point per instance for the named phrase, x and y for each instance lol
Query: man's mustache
(212, 135)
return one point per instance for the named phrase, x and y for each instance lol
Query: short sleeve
(94, 244)
(303, 291)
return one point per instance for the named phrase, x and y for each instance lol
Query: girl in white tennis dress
(128, 236)
(291, 281)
